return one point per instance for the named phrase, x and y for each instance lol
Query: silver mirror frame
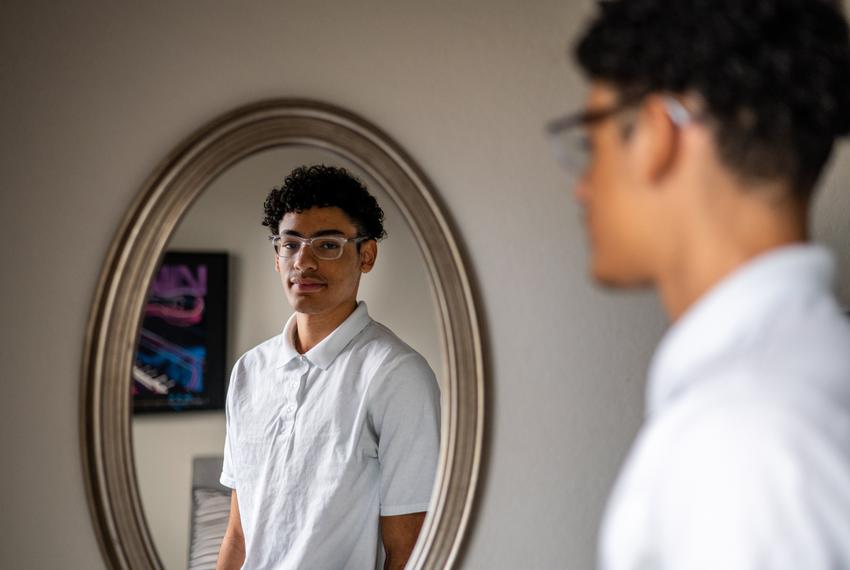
(114, 320)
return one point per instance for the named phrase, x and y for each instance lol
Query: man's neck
(310, 330)
(721, 241)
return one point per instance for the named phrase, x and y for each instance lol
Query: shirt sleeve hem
(227, 481)
(393, 510)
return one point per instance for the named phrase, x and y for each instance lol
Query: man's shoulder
(751, 420)
(794, 370)
(381, 340)
(390, 359)
(722, 454)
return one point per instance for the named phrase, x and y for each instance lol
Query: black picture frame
(179, 363)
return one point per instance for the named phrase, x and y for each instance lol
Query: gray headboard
(206, 471)
(209, 514)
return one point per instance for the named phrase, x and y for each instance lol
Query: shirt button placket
(293, 391)
(288, 401)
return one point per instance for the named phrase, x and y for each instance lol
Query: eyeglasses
(571, 145)
(326, 248)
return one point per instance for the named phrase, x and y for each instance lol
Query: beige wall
(227, 218)
(94, 95)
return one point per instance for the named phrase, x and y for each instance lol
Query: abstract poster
(179, 363)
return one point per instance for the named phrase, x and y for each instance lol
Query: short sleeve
(405, 411)
(228, 478)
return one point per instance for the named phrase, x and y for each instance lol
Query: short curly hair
(773, 75)
(321, 186)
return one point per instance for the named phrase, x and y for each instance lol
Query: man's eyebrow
(328, 232)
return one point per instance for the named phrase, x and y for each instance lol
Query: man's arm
(232, 553)
(399, 534)
(405, 409)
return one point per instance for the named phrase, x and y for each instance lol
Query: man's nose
(580, 189)
(304, 258)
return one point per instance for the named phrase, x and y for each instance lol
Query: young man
(333, 425)
(707, 126)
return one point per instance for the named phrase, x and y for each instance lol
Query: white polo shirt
(744, 459)
(319, 446)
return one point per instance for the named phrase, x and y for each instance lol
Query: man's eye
(290, 245)
(328, 245)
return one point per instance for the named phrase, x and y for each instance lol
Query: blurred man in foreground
(707, 126)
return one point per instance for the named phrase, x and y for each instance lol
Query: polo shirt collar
(324, 353)
(730, 318)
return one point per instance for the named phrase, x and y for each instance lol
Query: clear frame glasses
(570, 143)
(326, 248)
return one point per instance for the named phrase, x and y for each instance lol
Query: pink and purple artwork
(180, 358)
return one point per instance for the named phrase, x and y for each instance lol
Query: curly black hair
(323, 187)
(773, 75)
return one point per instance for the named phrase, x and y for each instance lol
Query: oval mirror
(138, 467)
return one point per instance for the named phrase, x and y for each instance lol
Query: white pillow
(210, 512)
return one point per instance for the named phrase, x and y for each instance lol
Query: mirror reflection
(331, 434)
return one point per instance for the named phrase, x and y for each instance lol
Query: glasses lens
(328, 248)
(571, 149)
(286, 246)
(322, 247)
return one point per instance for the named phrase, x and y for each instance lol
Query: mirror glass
(226, 218)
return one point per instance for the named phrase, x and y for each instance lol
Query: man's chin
(615, 278)
(306, 304)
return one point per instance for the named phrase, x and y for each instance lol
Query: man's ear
(368, 255)
(658, 136)
(277, 263)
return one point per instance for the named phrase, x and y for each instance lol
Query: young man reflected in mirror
(705, 131)
(333, 426)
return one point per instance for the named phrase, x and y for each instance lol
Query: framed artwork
(179, 362)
